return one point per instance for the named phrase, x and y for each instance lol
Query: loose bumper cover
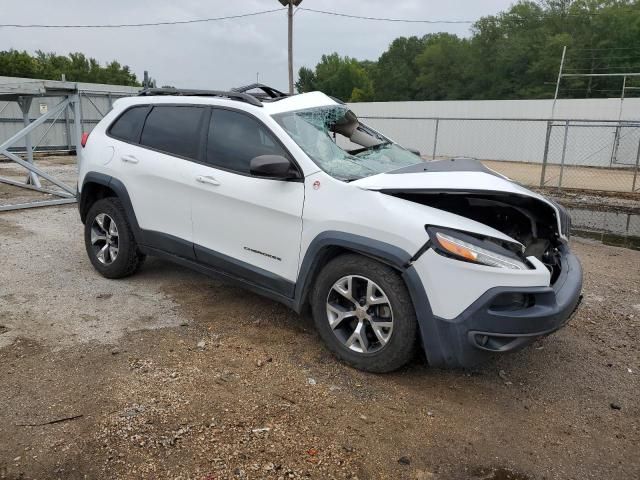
(488, 326)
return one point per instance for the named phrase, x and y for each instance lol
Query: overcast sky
(226, 53)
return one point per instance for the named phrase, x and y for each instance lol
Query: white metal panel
(495, 135)
(593, 108)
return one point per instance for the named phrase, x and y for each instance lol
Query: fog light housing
(509, 301)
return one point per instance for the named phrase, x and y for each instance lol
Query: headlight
(482, 251)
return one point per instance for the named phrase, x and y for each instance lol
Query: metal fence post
(545, 156)
(635, 173)
(564, 152)
(616, 145)
(435, 139)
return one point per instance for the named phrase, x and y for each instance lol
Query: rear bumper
(483, 328)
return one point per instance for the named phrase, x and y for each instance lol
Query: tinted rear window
(129, 125)
(174, 129)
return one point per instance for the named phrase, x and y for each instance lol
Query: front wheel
(363, 312)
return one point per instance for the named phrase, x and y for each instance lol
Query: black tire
(128, 259)
(401, 346)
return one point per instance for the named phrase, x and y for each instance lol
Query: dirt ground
(170, 374)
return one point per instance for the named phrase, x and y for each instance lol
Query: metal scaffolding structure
(23, 94)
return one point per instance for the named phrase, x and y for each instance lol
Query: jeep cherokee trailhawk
(296, 199)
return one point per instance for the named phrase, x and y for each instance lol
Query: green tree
(505, 47)
(443, 68)
(342, 77)
(76, 67)
(306, 80)
(396, 72)
(17, 64)
(513, 54)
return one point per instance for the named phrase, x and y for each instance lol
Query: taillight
(85, 137)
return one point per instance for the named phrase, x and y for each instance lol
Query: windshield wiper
(370, 147)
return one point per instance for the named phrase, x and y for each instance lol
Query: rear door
(158, 177)
(246, 225)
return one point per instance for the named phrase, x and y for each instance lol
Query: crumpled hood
(457, 175)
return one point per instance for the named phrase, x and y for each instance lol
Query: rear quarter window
(128, 126)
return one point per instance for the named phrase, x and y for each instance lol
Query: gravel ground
(169, 374)
(62, 167)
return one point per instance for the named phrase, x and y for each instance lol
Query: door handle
(129, 159)
(207, 179)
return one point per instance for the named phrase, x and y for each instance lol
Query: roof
(299, 102)
(285, 104)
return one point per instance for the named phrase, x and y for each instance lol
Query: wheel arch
(96, 186)
(328, 245)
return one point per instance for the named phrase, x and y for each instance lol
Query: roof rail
(233, 95)
(270, 93)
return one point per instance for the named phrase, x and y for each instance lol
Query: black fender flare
(393, 256)
(315, 256)
(121, 192)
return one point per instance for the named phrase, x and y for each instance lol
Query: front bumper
(482, 328)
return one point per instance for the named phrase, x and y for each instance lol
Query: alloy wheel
(104, 239)
(359, 314)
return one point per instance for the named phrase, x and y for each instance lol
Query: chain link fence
(564, 154)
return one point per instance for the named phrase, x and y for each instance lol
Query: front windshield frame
(315, 131)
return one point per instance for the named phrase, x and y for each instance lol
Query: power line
(151, 24)
(381, 19)
(263, 12)
(407, 20)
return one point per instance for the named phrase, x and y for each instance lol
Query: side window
(235, 138)
(174, 130)
(128, 126)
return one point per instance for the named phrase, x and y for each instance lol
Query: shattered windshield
(343, 147)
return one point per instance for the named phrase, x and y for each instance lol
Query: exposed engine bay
(528, 220)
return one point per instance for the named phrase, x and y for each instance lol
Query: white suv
(296, 199)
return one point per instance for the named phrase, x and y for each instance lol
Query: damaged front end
(537, 227)
(497, 270)
(531, 222)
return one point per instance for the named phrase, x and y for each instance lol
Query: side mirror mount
(272, 166)
(415, 151)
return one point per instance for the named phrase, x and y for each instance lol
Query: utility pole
(290, 4)
(290, 16)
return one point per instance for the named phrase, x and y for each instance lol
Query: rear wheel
(109, 240)
(364, 314)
